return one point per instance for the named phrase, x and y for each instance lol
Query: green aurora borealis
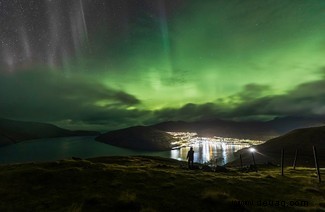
(155, 61)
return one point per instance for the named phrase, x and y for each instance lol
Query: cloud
(252, 91)
(190, 112)
(125, 98)
(77, 103)
(253, 102)
(48, 96)
(307, 99)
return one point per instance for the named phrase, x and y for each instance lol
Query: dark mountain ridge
(139, 137)
(258, 130)
(16, 131)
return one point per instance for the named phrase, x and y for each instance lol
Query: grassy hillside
(153, 184)
(302, 140)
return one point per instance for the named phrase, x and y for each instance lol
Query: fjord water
(87, 147)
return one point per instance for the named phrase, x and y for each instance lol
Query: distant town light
(252, 149)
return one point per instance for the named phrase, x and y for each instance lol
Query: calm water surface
(86, 147)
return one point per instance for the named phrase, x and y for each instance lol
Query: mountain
(222, 128)
(16, 131)
(302, 140)
(139, 137)
(258, 130)
(287, 124)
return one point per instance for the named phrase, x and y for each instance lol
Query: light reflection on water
(87, 147)
(206, 151)
(215, 150)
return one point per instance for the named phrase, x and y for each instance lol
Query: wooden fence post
(295, 160)
(316, 164)
(254, 161)
(282, 161)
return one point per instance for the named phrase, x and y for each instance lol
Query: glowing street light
(252, 150)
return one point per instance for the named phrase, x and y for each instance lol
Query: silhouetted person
(190, 157)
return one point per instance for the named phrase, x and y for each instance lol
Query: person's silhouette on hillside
(190, 157)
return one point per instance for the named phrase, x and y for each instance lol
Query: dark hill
(301, 139)
(139, 137)
(16, 131)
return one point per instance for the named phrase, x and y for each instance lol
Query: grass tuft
(215, 196)
(312, 190)
(218, 200)
(127, 201)
(75, 207)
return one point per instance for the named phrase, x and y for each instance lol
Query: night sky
(108, 64)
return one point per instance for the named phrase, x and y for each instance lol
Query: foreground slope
(152, 184)
(302, 140)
